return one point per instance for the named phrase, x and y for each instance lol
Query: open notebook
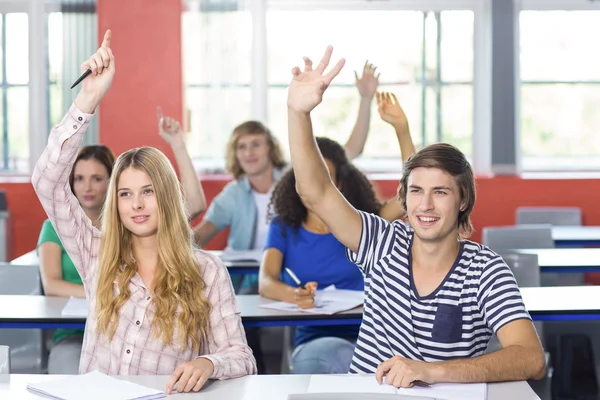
(94, 386)
(368, 384)
(326, 302)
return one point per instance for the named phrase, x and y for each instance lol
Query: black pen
(295, 278)
(82, 77)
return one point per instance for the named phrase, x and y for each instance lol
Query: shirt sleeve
(227, 347)
(499, 296)
(220, 211)
(377, 239)
(50, 181)
(48, 234)
(275, 238)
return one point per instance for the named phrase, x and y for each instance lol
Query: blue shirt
(320, 258)
(234, 207)
(478, 296)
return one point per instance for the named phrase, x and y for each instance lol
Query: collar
(245, 182)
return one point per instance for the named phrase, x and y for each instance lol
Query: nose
(87, 185)
(138, 203)
(426, 202)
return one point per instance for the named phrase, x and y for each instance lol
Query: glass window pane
(217, 47)
(17, 48)
(457, 117)
(55, 47)
(558, 45)
(214, 114)
(560, 120)
(457, 46)
(18, 128)
(398, 60)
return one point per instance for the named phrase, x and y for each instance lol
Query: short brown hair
(451, 160)
(98, 152)
(254, 128)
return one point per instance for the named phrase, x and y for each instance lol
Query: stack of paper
(242, 255)
(94, 386)
(368, 384)
(75, 307)
(326, 302)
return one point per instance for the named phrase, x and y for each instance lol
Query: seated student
(155, 305)
(88, 181)
(300, 241)
(432, 298)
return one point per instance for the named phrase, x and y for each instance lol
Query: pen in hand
(295, 278)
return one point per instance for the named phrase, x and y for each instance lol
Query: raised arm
(391, 112)
(312, 179)
(171, 131)
(50, 177)
(366, 85)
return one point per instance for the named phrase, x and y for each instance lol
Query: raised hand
(367, 84)
(390, 110)
(305, 298)
(307, 86)
(170, 130)
(95, 86)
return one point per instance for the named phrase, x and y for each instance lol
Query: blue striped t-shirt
(477, 297)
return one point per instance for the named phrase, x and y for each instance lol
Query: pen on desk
(82, 77)
(295, 278)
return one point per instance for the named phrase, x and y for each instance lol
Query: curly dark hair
(287, 207)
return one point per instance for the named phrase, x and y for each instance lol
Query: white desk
(255, 387)
(566, 260)
(576, 236)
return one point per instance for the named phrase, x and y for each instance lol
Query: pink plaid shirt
(133, 349)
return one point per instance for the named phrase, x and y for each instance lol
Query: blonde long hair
(178, 283)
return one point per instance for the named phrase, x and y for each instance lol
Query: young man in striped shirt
(432, 299)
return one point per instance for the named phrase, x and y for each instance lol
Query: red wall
(147, 47)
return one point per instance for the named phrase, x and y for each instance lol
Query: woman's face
(90, 182)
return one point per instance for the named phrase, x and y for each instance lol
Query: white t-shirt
(261, 227)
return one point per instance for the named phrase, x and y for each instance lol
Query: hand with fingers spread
(367, 84)
(95, 86)
(390, 110)
(403, 372)
(170, 130)
(190, 376)
(305, 298)
(307, 86)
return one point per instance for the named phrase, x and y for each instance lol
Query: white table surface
(256, 387)
(576, 233)
(565, 257)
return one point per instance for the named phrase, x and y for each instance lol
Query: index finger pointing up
(106, 41)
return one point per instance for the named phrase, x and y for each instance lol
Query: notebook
(94, 386)
(326, 302)
(368, 384)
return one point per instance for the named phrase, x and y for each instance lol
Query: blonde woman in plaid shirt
(156, 305)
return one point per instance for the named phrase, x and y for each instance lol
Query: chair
(26, 345)
(4, 360)
(563, 216)
(518, 237)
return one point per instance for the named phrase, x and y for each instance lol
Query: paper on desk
(94, 386)
(75, 307)
(368, 384)
(326, 302)
(242, 255)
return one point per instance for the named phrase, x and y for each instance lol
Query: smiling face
(433, 204)
(90, 181)
(137, 205)
(252, 153)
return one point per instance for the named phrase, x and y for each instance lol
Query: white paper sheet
(326, 302)
(75, 307)
(94, 386)
(368, 384)
(242, 255)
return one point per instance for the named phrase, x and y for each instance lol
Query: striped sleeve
(376, 241)
(499, 297)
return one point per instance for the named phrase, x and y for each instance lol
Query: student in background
(300, 241)
(155, 305)
(433, 299)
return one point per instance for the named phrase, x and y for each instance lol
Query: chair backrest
(564, 216)
(518, 237)
(524, 267)
(4, 360)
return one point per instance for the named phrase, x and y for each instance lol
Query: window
(560, 89)
(14, 101)
(425, 56)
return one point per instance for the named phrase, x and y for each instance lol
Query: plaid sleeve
(50, 181)
(227, 346)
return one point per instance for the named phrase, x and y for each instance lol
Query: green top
(69, 273)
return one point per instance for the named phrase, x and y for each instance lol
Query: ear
(463, 206)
